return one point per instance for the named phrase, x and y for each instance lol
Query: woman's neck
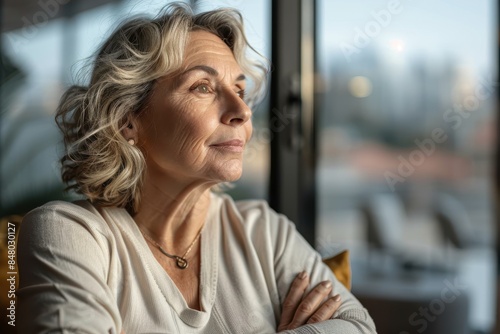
(171, 212)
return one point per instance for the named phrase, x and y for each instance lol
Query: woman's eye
(241, 94)
(203, 88)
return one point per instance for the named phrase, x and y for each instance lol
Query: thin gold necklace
(180, 261)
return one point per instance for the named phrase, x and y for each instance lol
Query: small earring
(131, 142)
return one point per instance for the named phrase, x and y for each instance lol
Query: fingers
(326, 310)
(311, 304)
(293, 299)
(299, 310)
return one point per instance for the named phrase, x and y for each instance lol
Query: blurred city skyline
(460, 29)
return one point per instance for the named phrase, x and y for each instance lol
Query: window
(407, 135)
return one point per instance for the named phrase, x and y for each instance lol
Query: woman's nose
(236, 111)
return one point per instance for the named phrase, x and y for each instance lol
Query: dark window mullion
(292, 179)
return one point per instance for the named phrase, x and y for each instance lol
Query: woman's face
(197, 124)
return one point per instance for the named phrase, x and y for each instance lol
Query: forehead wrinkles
(207, 49)
(204, 39)
(205, 42)
(212, 58)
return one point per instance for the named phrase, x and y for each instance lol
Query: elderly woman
(153, 249)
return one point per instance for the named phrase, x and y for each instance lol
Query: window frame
(292, 122)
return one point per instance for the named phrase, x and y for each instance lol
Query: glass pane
(40, 61)
(407, 135)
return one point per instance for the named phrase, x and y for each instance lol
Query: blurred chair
(454, 222)
(475, 257)
(385, 217)
(384, 214)
(470, 260)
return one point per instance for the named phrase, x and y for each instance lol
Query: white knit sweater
(89, 270)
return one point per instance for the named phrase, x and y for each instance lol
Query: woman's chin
(230, 174)
(231, 177)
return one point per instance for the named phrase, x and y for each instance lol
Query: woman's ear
(129, 130)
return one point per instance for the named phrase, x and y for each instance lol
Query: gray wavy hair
(98, 162)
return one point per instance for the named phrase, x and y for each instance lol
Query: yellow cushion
(341, 267)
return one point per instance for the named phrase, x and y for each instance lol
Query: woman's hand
(299, 310)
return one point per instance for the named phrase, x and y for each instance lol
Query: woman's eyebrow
(209, 70)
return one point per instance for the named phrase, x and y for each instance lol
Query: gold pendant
(181, 262)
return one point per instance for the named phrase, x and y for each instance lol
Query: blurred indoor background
(400, 156)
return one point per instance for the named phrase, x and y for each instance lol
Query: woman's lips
(234, 145)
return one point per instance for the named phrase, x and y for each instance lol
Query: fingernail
(326, 284)
(302, 275)
(336, 298)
